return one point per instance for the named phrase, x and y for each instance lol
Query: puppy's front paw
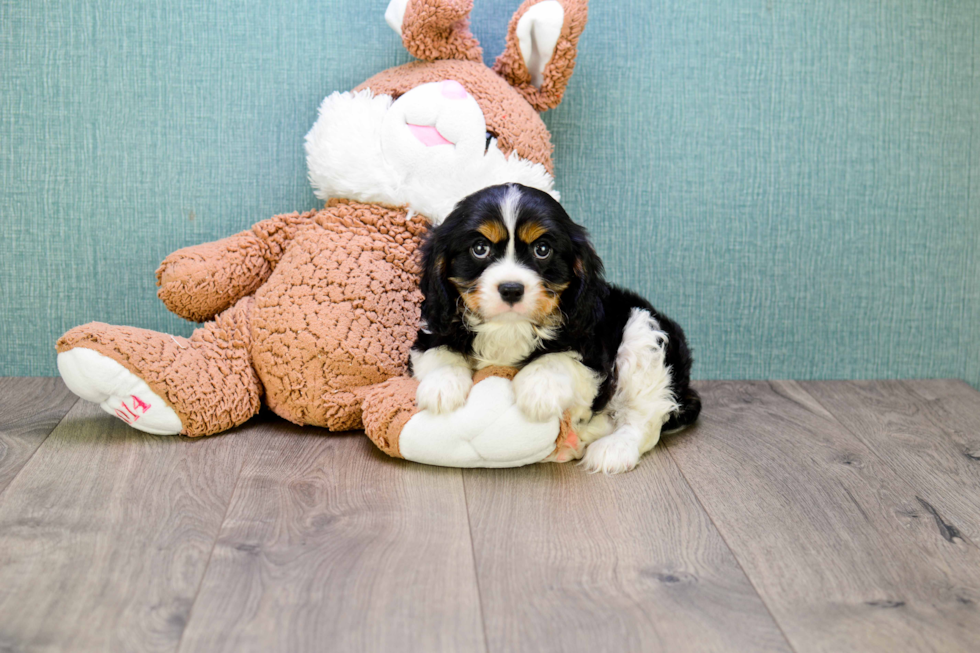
(542, 394)
(444, 390)
(611, 455)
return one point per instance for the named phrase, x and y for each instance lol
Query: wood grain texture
(927, 431)
(833, 539)
(105, 535)
(569, 561)
(30, 408)
(822, 516)
(330, 545)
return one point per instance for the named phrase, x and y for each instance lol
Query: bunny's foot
(165, 384)
(119, 392)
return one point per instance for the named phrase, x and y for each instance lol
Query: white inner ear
(395, 14)
(537, 33)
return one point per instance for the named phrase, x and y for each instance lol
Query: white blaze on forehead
(361, 148)
(508, 209)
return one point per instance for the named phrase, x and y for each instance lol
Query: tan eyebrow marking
(531, 231)
(494, 231)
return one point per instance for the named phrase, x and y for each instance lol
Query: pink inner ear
(453, 90)
(429, 136)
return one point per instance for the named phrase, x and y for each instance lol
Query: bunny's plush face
(426, 134)
(438, 123)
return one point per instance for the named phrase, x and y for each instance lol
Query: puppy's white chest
(504, 343)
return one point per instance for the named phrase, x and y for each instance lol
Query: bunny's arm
(200, 281)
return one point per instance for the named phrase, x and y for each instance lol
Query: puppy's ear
(582, 300)
(440, 297)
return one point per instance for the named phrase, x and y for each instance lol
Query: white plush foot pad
(119, 392)
(489, 431)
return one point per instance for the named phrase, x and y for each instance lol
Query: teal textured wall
(795, 182)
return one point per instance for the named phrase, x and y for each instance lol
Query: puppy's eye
(541, 250)
(480, 250)
(490, 137)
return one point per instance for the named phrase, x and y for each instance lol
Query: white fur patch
(362, 148)
(553, 383)
(643, 399)
(508, 209)
(445, 379)
(505, 342)
(613, 454)
(643, 394)
(426, 362)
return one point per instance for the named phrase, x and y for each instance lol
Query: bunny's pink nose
(453, 90)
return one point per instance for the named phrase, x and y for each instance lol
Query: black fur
(594, 311)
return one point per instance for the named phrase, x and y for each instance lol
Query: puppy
(509, 279)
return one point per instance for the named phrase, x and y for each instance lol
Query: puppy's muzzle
(511, 292)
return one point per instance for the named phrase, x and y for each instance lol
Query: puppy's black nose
(511, 292)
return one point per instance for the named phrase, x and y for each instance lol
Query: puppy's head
(508, 253)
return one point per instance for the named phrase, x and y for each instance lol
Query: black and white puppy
(509, 279)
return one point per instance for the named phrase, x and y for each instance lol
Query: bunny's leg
(488, 431)
(164, 384)
(387, 408)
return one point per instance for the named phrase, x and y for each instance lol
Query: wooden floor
(824, 516)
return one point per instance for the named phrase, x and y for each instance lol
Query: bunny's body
(309, 312)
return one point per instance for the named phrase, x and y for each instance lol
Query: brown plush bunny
(308, 312)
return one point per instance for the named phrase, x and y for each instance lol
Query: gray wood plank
(927, 431)
(569, 561)
(331, 545)
(30, 408)
(831, 537)
(105, 535)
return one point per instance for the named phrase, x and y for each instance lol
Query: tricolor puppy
(509, 279)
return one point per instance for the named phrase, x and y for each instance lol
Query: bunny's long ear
(435, 29)
(542, 42)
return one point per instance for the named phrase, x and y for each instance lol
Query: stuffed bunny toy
(313, 313)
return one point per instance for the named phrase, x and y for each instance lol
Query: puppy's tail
(687, 413)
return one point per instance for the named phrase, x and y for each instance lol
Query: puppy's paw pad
(443, 391)
(119, 392)
(611, 455)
